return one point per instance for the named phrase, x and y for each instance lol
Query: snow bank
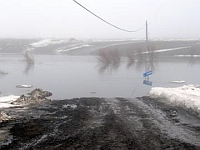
(6, 101)
(187, 96)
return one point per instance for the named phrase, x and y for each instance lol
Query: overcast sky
(65, 19)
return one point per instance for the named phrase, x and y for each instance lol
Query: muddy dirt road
(101, 124)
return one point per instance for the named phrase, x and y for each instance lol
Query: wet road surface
(97, 123)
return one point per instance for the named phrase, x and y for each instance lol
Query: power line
(107, 21)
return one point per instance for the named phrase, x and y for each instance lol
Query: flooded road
(74, 68)
(68, 77)
(87, 76)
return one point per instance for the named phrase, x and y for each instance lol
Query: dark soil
(101, 124)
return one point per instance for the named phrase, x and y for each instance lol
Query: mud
(34, 97)
(102, 124)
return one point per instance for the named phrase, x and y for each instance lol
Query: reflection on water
(108, 60)
(131, 60)
(28, 67)
(193, 60)
(29, 60)
(147, 82)
(117, 75)
(145, 58)
(3, 73)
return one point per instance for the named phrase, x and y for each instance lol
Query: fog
(65, 19)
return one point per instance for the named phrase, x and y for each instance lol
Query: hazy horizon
(36, 19)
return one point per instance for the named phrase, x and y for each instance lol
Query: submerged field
(110, 68)
(109, 74)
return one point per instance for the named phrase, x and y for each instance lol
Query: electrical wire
(107, 21)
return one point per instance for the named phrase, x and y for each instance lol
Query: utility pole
(147, 49)
(146, 31)
(147, 65)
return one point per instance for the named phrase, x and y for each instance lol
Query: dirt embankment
(97, 123)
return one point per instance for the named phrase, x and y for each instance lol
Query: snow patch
(161, 39)
(24, 86)
(70, 106)
(5, 101)
(187, 96)
(167, 50)
(179, 82)
(187, 56)
(73, 48)
(4, 116)
(47, 42)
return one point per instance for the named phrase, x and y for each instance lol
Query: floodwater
(87, 76)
